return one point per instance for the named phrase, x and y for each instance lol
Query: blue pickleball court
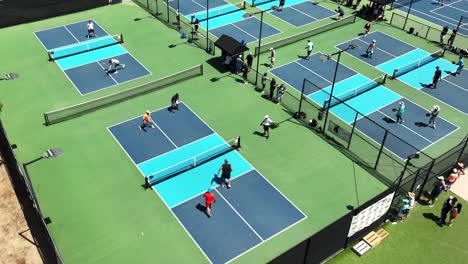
(84, 59)
(244, 216)
(377, 104)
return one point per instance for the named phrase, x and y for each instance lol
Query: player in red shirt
(210, 198)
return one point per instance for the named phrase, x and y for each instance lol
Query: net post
(394, 74)
(147, 182)
(384, 79)
(49, 53)
(238, 143)
(46, 119)
(121, 38)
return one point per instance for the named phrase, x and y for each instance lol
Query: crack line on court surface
(300, 11)
(240, 216)
(318, 75)
(406, 127)
(71, 34)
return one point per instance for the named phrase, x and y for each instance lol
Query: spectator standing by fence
(272, 57)
(281, 91)
(437, 188)
(437, 76)
(250, 60)
(461, 65)
(446, 208)
(442, 35)
(452, 178)
(451, 39)
(245, 72)
(272, 88)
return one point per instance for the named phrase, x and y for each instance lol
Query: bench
(361, 248)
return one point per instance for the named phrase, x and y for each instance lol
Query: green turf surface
(419, 239)
(93, 194)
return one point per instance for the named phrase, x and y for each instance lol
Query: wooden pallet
(372, 239)
(382, 233)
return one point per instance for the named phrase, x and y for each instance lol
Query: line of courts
(251, 212)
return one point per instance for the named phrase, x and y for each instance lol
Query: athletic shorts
(266, 128)
(208, 205)
(225, 176)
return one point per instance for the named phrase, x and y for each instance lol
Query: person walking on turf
(239, 63)
(370, 49)
(461, 65)
(225, 170)
(90, 27)
(147, 121)
(456, 210)
(437, 76)
(400, 112)
(442, 35)
(245, 73)
(250, 60)
(114, 65)
(281, 4)
(272, 88)
(175, 102)
(264, 81)
(272, 57)
(178, 18)
(437, 188)
(196, 24)
(433, 116)
(309, 48)
(367, 27)
(281, 91)
(210, 198)
(446, 208)
(266, 123)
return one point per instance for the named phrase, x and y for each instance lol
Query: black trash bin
(411, 30)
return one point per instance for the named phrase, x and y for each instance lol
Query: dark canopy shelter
(383, 2)
(230, 46)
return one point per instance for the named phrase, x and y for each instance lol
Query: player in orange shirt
(147, 121)
(210, 198)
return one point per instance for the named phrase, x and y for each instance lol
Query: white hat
(271, 48)
(435, 107)
(266, 116)
(148, 111)
(402, 103)
(440, 178)
(455, 170)
(373, 41)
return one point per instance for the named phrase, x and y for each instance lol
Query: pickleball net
(356, 91)
(219, 11)
(192, 162)
(418, 63)
(84, 46)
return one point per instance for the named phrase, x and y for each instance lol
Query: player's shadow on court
(388, 120)
(216, 180)
(420, 124)
(202, 209)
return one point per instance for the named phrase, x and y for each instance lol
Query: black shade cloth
(383, 2)
(229, 45)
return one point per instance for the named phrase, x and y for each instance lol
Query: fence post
(302, 97)
(352, 130)
(462, 150)
(415, 179)
(381, 149)
(425, 179)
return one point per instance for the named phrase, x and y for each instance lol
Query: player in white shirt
(114, 65)
(90, 27)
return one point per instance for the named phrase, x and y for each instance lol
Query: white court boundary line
(232, 207)
(175, 216)
(425, 14)
(407, 128)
